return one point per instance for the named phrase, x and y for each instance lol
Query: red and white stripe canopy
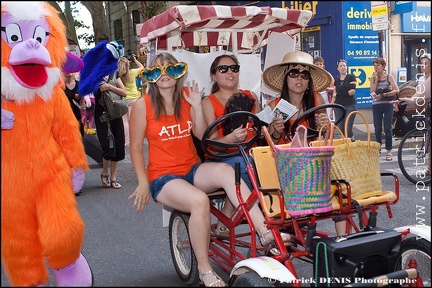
(217, 25)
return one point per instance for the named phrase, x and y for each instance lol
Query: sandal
(270, 243)
(389, 157)
(212, 273)
(115, 184)
(105, 180)
(221, 232)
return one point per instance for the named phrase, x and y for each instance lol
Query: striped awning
(217, 25)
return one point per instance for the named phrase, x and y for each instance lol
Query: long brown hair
(307, 102)
(153, 90)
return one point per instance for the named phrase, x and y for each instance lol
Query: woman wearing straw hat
(299, 81)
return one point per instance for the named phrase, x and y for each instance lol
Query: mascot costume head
(42, 151)
(100, 61)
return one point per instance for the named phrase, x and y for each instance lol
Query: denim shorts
(157, 184)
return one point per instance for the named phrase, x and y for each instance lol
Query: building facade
(338, 30)
(345, 30)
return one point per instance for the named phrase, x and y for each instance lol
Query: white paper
(283, 109)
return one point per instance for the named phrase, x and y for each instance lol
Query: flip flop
(389, 157)
(115, 184)
(105, 180)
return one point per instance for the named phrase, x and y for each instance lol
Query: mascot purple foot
(76, 274)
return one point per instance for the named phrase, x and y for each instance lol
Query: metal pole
(380, 42)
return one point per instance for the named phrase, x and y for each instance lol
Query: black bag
(115, 105)
(92, 147)
(364, 255)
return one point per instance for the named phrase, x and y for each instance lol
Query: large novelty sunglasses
(174, 71)
(224, 68)
(295, 73)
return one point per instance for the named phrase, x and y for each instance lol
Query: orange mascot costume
(42, 151)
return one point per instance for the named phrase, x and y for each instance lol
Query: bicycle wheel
(251, 279)
(182, 253)
(418, 249)
(413, 156)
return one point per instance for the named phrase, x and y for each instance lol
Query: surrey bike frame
(280, 268)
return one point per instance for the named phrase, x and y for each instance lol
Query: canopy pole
(234, 43)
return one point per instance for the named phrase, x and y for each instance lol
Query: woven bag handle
(268, 139)
(329, 136)
(367, 129)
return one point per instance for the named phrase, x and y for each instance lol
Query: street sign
(379, 14)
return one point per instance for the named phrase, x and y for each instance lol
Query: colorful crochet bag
(304, 174)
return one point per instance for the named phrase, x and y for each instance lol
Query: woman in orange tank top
(175, 176)
(226, 97)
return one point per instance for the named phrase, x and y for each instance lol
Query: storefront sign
(379, 14)
(417, 21)
(361, 47)
(403, 7)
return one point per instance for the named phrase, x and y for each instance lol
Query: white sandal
(211, 272)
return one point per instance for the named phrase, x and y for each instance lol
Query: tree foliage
(100, 25)
(70, 22)
(148, 9)
(100, 22)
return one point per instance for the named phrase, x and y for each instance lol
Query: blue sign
(361, 47)
(417, 21)
(403, 7)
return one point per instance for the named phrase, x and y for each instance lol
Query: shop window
(135, 17)
(118, 29)
(311, 41)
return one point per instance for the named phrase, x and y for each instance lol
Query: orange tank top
(219, 111)
(170, 145)
(284, 139)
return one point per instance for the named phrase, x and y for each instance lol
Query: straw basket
(304, 176)
(356, 162)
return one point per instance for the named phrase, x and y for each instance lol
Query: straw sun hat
(274, 76)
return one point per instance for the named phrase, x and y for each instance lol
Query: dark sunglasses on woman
(295, 73)
(224, 68)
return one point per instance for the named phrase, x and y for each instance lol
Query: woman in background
(128, 77)
(383, 90)
(345, 85)
(76, 102)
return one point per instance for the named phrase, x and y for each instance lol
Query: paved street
(127, 248)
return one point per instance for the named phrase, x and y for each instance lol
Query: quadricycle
(368, 256)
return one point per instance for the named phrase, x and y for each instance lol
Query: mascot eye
(40, 35)
(13, 33)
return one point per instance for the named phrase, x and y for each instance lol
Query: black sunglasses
(224, 68)
(295, 73)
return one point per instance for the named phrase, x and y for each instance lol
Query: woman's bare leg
(181, 195)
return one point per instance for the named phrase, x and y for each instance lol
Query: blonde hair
(123, 69)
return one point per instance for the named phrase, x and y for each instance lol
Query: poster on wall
(361, 47)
